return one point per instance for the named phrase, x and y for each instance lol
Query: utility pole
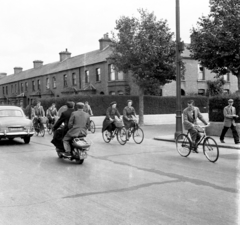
(178, 80)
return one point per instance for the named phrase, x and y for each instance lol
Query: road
(117, 185)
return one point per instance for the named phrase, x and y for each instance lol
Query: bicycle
(49, 127)
(120, 132)
(184, 145)
(136, 132)
(39, 130)
(92, 127)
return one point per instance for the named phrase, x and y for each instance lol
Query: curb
(172, 140)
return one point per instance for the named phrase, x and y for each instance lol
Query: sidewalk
(229, 142)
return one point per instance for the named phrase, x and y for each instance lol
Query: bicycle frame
(202, 136)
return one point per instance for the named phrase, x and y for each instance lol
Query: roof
(70, 63)
(2, 107)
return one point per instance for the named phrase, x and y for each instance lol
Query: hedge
(152, 104)
(217, 104)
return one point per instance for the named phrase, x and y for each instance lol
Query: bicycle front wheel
(183, 145)
(138, 135)
(106, 136)
(92, 126)
(122, 135)
(42, 132)
(210, 149)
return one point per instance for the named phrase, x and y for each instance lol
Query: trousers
(234, 132)
(194, 134)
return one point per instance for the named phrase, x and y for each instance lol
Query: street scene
(120, 112)
(148, 183)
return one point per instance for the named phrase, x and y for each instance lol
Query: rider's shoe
(67, 154)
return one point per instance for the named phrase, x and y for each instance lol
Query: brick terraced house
(92, 74)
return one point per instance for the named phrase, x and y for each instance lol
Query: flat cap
(230, 100)
(112, 103)
(129, 101)
(80, 104)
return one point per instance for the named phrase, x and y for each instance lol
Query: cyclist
(129, 117)
(111, 113)
(190, 115)
(38, 114)
(87, 108)
(51, 113)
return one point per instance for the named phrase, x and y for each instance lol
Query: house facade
(92, 74)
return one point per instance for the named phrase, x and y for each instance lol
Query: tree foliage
(215, 87)
(216, 39)
(145, 47)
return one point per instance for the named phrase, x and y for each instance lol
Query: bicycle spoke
(210, 149)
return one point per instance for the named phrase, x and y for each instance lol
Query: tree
(216, 39)
(144, 48)
(215, 87)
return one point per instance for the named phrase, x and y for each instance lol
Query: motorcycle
(79, 148)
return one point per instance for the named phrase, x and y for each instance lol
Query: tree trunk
(141, 106)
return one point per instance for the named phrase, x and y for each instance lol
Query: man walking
(229, 113)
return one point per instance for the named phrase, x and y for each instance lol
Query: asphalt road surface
(144, 184)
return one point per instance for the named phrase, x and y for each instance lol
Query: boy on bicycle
(190, 115)
(38, 113)
(51, 113)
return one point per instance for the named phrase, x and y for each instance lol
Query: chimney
(2, 75)
(17, 70)
(64, 55)
(37, 63)
(105, 41)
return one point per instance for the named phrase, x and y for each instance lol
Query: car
(14, 124)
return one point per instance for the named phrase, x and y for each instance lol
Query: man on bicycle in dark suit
(190, 115)
(38, 114)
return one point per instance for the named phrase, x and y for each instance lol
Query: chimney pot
(104, 42)
(17, 70)
(2, 75)
(37, 63)
(64, 55)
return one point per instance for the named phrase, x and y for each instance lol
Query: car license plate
(16, 129)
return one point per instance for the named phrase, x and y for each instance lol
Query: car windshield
(10, 113)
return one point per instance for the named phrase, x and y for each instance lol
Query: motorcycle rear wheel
(79, 161)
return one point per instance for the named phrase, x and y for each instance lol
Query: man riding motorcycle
(78, 124)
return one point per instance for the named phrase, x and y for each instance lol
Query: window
(21, 87)
(80, 81)
(201, 91)
(33, 85)
(74, 79)
(86, 76)
(226, 91)
(3, 91)
(120, 92)
(38, 85)
(6, 90)
(15, 88)
(111, 72)
(65, 80)
(201, 72)
(12, 91)
(112, 93)
(226, 77)
(26, 86)
(120, 76)
(54, 82)
(47, 83)
(98, 74)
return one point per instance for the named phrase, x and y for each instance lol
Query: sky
(39, 30)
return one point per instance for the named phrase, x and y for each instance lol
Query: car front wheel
(26, 140)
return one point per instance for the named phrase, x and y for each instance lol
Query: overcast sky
(39, 30)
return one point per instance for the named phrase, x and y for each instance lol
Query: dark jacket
(64, 118)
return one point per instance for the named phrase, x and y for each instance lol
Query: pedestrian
(229, 113)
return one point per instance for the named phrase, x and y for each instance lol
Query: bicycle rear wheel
(183, 145)
(122, 135)
(210, 149)
(42, 132)
(138, 135)
(92, 126)
(106, 136)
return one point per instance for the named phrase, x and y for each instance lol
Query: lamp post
(178, 80)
